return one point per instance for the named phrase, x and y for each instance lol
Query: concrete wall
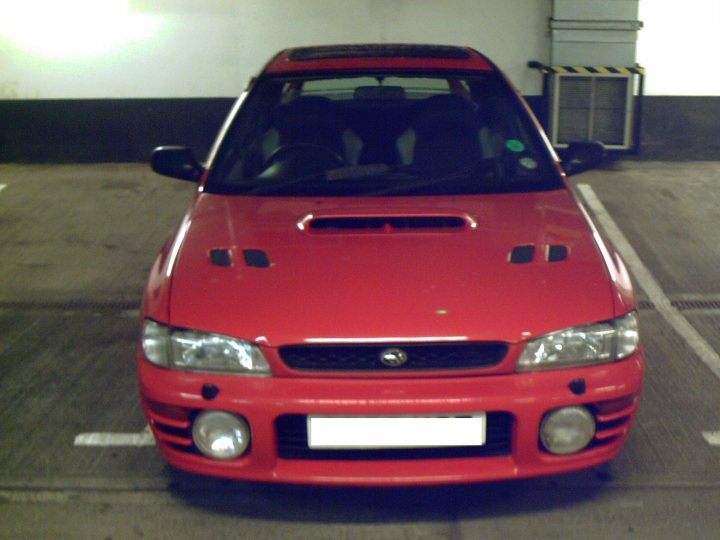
(106, 80)
(189, 48)
(86, 80)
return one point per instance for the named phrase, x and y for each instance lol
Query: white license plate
(349, 432)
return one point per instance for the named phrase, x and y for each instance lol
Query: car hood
(297, 270)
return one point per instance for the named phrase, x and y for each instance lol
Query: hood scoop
(389, 223)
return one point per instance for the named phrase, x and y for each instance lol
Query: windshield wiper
(270, 186)
(407, 179)
(334, 177)
(488, 168)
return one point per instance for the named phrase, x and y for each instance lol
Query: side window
(241, 153)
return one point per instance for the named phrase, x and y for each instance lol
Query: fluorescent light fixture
(72, 28)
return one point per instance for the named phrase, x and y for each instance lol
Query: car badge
(393, 357)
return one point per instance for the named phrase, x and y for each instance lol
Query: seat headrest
(311, 113)
(443, 112)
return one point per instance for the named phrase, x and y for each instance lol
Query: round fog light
(567, 430)
(220, 435)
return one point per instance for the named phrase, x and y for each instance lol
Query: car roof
(378, 56)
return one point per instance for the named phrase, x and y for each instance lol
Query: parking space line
(654, 292)
(649, 284)
(144, 438)
(712, 437)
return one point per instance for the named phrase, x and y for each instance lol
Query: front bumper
(171, 399)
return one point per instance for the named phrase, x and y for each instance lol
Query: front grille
(426, 356)
(292, 443)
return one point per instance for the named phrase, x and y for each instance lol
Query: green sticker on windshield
(529, 163)
(515, 146)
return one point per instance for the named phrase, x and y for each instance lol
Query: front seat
(446, 133)
(310, 121)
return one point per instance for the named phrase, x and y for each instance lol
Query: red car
(385, 279)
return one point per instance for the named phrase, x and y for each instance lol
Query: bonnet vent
(557, 253)
(388, 223)
(255, 258)
(522, 254)
(526, 254)
(221, 257)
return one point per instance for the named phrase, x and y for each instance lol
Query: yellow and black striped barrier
(588, 70)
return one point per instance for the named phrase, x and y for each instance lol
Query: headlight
(155, 342)
(582, 345)
(190, 350)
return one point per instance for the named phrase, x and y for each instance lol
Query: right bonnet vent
(557, 253)
(526, 254)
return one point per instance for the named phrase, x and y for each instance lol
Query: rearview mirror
(582, 156)
(177, 162)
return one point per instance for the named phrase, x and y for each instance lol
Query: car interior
(345, 128)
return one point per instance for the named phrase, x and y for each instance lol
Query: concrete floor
(76, 243)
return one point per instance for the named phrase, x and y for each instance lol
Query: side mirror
(582, 156)
(177, 162)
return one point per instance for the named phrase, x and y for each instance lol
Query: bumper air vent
(613, 419)
(173, 426)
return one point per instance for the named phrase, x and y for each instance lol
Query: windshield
(381, 134)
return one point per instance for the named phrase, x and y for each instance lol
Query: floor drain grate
(696, 304)
(71, 305)
(683, 305)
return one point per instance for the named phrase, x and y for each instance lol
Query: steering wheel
(282, 152)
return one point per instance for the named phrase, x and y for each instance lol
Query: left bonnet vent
(221, 257)
(386, 223)
(255, 258)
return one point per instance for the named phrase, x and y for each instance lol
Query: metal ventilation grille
(592, 107)
(574, 108)
(610, 109)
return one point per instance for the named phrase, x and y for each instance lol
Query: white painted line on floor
(649, 284)
(144, 438)
(712, 437)
(655, 293)
(33, 497)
